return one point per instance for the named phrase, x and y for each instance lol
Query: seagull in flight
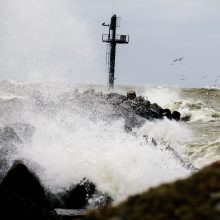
(177, 60)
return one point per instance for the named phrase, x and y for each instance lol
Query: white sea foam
(163, 96)
(197, 110)
(68, 145)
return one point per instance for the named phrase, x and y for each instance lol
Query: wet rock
(142, 109)
(155, 111)
(81, 196)
(25, 184)
(176, 115)
(186, 164)
(126, 112)
(113, 106)
(140, 100)
(78, 196)
(13, 206)
(131, 95)
(116, 99)
(167, 113)
(150, 140)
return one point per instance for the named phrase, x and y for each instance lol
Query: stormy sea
(65, 133)
(69, 144)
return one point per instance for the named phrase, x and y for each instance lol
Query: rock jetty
(135, 110)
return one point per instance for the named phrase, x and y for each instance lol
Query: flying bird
(177, 60)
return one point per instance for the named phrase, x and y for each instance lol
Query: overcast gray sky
(160, 31)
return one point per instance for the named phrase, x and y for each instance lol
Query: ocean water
(64, 140)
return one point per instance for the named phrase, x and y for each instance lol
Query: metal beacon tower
(112, 39)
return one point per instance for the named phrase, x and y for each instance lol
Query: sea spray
(72, 141)
(45, 40)
(163, 96)
(69, 139)
(117, 162)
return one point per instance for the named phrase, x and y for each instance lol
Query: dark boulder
(78, 196)
(142, 108)
(13, 206)
(131, 95)
(154, 112)
(176, 115)
(81, 196)
(157, 108)
(116, 99)
(22, 182)
(127, 112)
(140, 100)
(130, 104)
(167, 113)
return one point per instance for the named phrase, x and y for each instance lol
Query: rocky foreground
(197, 197)
(22, 196)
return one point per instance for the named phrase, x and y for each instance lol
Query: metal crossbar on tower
(112, 39)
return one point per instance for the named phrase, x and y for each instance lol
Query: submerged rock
(196, 197)
(176, 115)
(8, 134)
(25, 184)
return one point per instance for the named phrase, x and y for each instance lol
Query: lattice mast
(113, 39)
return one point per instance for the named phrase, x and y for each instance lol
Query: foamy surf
(70, 141)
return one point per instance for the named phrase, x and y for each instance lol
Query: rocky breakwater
(135, 110)
(197, 197)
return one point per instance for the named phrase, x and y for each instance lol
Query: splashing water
(44, 40)
(68, 145)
